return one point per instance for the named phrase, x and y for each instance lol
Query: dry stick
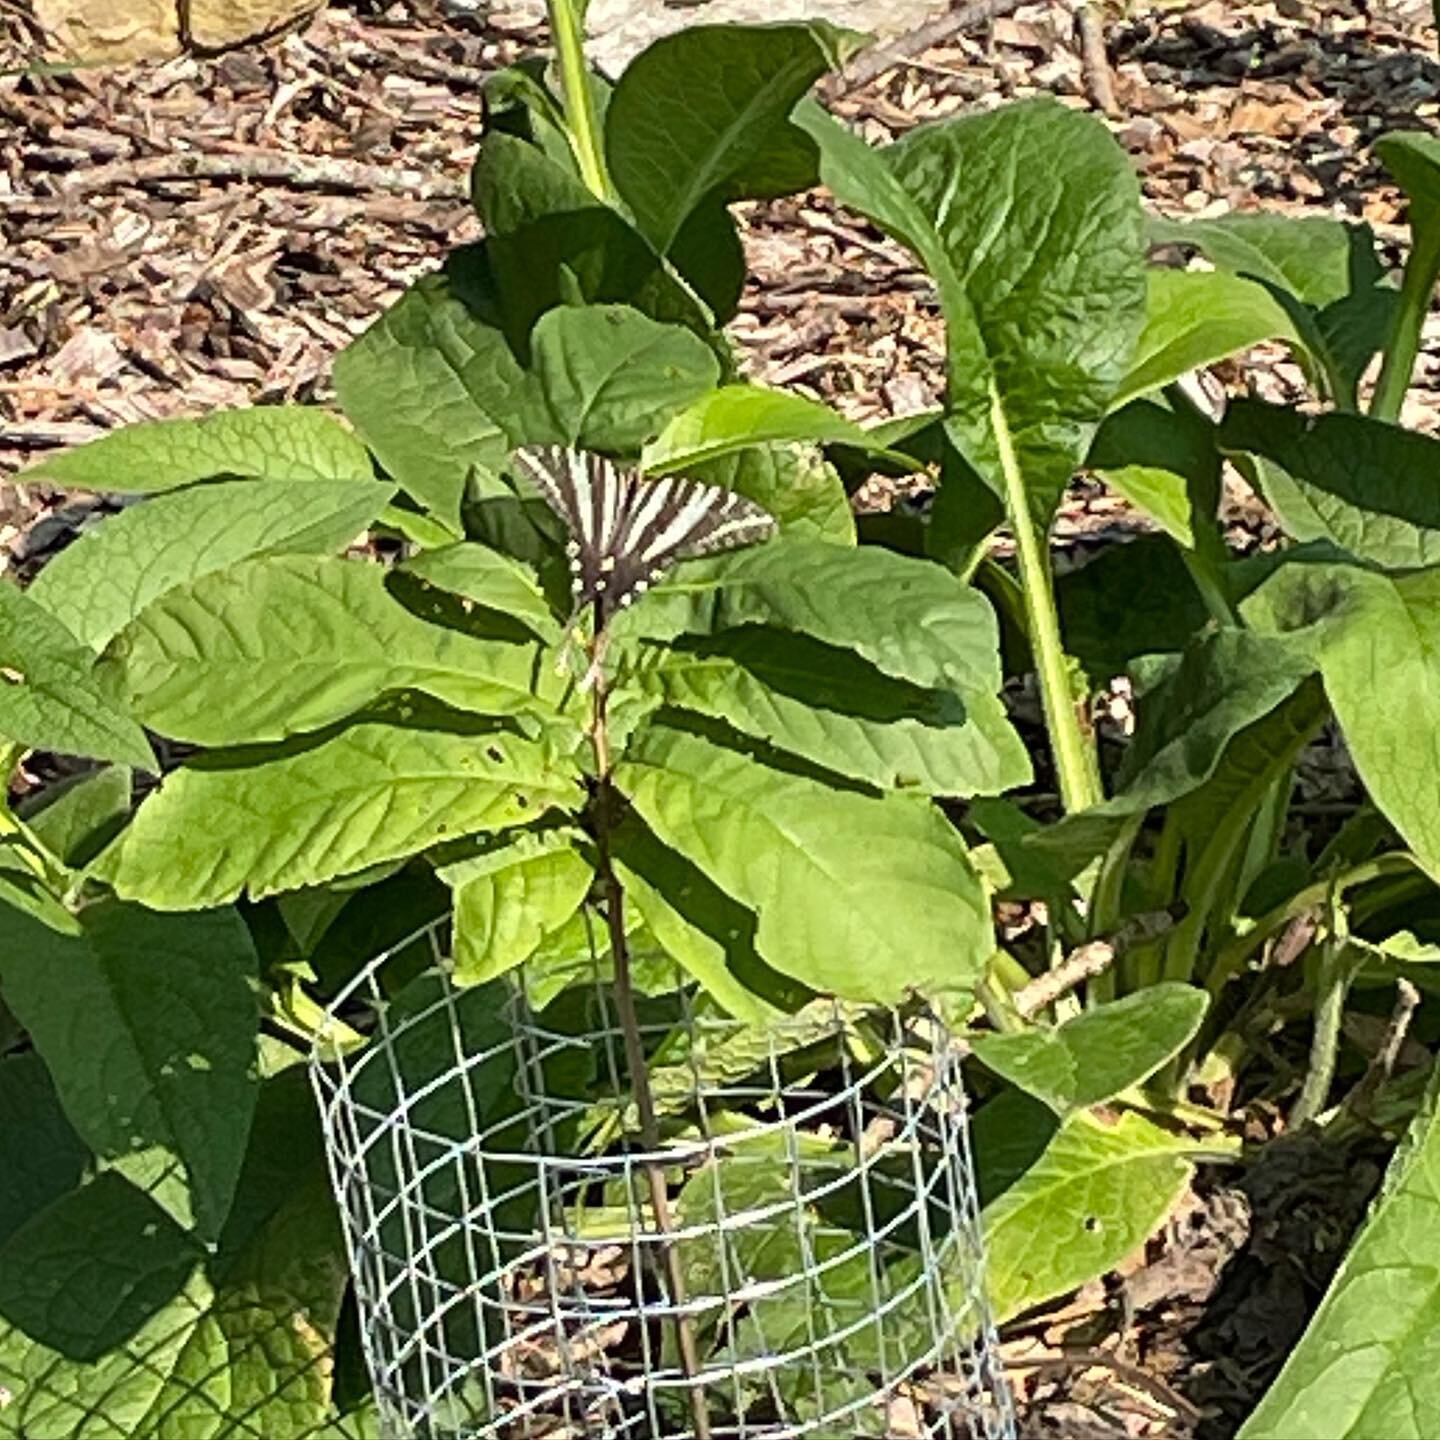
(1089, 960)
(672, 1275)
(1095, 62)
(875, 63)
(1361, 1099)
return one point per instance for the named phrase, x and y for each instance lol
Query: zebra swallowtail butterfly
(625, 530)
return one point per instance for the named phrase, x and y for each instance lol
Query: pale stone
(216, 24)
(110, 30)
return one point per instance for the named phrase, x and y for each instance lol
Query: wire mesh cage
(797, 1255)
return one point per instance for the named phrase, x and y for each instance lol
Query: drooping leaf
(148, 1025)
(706, 110)
(110, 574)
(736, 417)
(306, 812)
(1193, 319)
(843, 884)
(512, 894)
(49, 699)
(76, 816)
(281, 645)
(831, 707)
(1096, 1194)
(1375, 638)
(1367, 486)
(491, 579)
(1366, 1366)
(269, 442)
(1093, 1056)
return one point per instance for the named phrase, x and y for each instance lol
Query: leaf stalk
(567, 32)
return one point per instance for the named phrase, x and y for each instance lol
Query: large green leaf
(281, 645)
(148, 1025)
(279, 442)
(1193, 319)
(1368, 1366)
(1367, 486)
(490, 579)
(111, 573)
(306, 812)
(162, 1341)
(860, 896)
(1038, 211)
(736, 417)
(1376, 639)
(1324, 272)
(797, 485)
(510, 896)
(706, 110)
(1093, 1056)
(831, 707)
(49, 699)
(1097, 1193)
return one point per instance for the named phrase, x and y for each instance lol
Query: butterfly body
(626, 531)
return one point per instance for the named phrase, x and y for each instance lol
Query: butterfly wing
(588, 493)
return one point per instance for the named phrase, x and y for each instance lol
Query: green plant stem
(1076, 767)
(568, 34)
(1421, 271)
(1107, 905)
(1333, 984)
(672, 1276)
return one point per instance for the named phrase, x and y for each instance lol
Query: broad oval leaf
(1367, 1364)
(1367, 486)
(1097, 1193)
(270, 442)
(304, 813)
(49, 698)
(707, 110)
(1093, 1056)
(795, 483)
(510, 896)
(859, 896)
(100, 583)
(148, 1025)
(281, 645)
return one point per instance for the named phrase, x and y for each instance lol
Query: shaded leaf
(491, 579)
(43, 1157)
(76, 816)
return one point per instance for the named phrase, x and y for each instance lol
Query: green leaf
(1375, 638)
(309, 811)
(1366, 1365)
(1367, 486)
(1193, 319)
(795, 483)
(148, 1025)
(829, 706)
(48, 697)
(1096, 1194)
(1008, 1135)
(281, 645)
(510, 896)
(1324, 272)
(270, 442)
(843, 884)
(111, 573)
(735, 417)
(80, 814)
(1099, 1053)
(706, 110)
(1038, 212)
(610, 376)
(43, 1156)
(491, 579)
(431, 383)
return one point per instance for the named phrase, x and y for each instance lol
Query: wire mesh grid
(800, 1256)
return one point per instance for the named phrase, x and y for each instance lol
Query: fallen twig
(874, 63)
(1095, 62)
(1361, 1100)
(1090, 960)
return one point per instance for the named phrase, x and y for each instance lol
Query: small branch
(1361, 1100)
(672, 1276)
(1095, 61)
(1077, 967)
(874, 63)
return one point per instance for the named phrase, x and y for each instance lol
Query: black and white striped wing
(625, 531)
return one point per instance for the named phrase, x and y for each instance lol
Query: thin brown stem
(672, 1276)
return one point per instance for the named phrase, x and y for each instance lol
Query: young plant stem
(1333, 985)
(672, 1277)
(1076, 767)
(568, 35)
(1421, 272)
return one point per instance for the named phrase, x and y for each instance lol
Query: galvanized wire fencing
(798, 1256)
